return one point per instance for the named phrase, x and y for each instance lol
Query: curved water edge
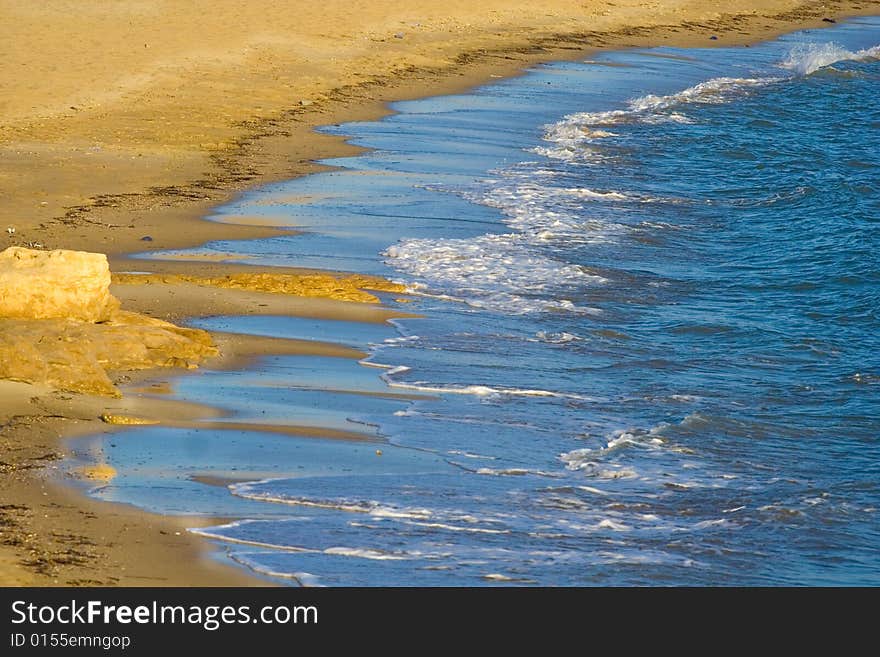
(649, 299)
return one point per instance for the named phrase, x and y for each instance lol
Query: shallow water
(649, 344)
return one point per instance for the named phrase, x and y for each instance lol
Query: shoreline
(117, 543)
(285, 145)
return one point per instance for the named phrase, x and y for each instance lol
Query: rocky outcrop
(80, 356)
(342, 287)
(67, 332)
(55, 285)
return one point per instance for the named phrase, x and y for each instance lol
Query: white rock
(55, 284)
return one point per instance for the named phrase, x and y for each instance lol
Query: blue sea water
(648, 350)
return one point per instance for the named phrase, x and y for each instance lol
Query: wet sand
(123, 125)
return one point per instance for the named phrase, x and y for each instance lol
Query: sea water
(648, 349)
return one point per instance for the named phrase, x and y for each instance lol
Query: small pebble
(828, 20)
(713, 38)
(146, 238)
(305, 102)
(399, 35)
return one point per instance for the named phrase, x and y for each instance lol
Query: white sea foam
(304, 579)
(460, 528)
(605, 523)
(371, 507)
(515, 472)
(633, 437)
(513, 272)
(710, 523)
(470, 455)
(542, 213)
(579, 461)
(339, 505)
(496, 272)
(714, 92)
(555, 338)
(389, 512)
(402, 339)
(213, 533)
(500, 196)
(571, 137)
(808, 58)
(307, 579)
(591, 489)
(483, 391)
(585, 457)
(432, 518)
(367, 553)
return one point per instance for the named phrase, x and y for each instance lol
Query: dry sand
(133, 119)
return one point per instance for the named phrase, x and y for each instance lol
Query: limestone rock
(55, 285)
(61, 327)
(110, 418)
(52, 352)
(77, 356)
(343, 287)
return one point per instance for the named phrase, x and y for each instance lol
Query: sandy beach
(122, 126)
